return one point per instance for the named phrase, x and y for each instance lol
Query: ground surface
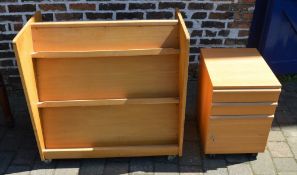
(18, 152)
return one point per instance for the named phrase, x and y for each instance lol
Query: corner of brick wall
(211, 23)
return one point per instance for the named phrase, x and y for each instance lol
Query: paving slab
(237, 158)
(215, 166)
(166, 169)
(190, 170)
(191, 132)
(289, 130)
(18, 170)
(285, 164)
(69, 167)
(263, 164)
(116, 168)
(240, 169)
(191, 154)
(5, 160)
(18, 150)
(92, 167)
(25, 157)
(279, 149)
(287, 173)
(292, 141)
(141, 166)
(41, 168)
(276, 136)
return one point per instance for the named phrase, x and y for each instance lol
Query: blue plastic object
(278, 42)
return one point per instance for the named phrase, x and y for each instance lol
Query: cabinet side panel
(23, 48)
(184, 42)
(204, 102)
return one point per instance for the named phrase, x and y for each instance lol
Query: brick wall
(211, 23)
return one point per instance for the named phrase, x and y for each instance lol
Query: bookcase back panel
(104, 38)
(121, 125)
(112, 77)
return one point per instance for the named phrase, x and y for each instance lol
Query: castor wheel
(170, 158)
(47, 161)
(211, 156)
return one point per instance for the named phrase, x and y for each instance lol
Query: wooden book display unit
(105, 88)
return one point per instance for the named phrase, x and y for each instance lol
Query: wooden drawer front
(103, 126)
(243, 108)
(246, 95)
(230, 134)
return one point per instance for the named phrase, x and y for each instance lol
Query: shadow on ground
(18, 151)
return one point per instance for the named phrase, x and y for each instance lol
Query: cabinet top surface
(238, 68)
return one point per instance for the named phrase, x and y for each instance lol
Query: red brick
(17, 26)
(247, 1)
(52, 7)
(225, 15)
(230, 41)
(2, 9)
(22, 8)
(68, 16)
(82, 6)
(243, 33)
(243, 16)
(239, 24)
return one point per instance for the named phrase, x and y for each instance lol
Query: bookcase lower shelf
(123, 151)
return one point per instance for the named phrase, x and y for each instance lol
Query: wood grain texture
(237, 68)
(243, 108)
(184, 42)
(103, 38)
(106, 89)
(105, 78)
(235, 114)
(240, 134)
(103, 126)
(104, 102)
(22, 45)
(119, 23)
(105, 53)
(204, 102)
(246, 95)
(104, 152)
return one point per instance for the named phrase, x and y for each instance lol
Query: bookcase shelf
(102, 102)
(105, 53)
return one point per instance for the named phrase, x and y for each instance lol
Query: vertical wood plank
(204, 101)
(23, 47)
(184, 42)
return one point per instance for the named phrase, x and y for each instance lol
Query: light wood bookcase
(238, 94)
(105, 88)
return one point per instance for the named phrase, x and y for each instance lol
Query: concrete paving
(19, 155)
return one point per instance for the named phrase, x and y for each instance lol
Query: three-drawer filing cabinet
(238, 94)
